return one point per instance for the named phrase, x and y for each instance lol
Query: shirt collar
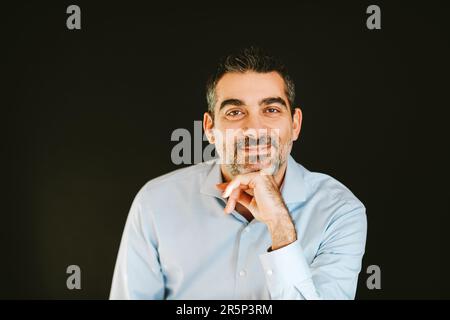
(292, 188)
(213, 177)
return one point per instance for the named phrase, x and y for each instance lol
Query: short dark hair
(248, 59)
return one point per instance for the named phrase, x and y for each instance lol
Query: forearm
(282, 231)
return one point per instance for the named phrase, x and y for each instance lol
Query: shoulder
(334, 199)
(329, 187)
(179, 180)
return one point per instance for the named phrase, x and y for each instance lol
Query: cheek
(224, 142)
(283, 137)
(230, 144)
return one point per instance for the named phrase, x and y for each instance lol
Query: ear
(296, 123)
(208, 125)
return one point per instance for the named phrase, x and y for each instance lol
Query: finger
(231, 186)
(221, 186)
(237, 181)
(231, 203)
(245, 199)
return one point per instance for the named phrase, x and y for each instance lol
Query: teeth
(257, 147)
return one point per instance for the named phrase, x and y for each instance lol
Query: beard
(265, 154)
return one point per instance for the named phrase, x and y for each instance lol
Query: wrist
(282, 232)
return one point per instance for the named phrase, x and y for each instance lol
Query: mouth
(261, 149)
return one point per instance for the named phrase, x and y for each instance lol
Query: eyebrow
(271, 100)
(233, 102)
(265, 101)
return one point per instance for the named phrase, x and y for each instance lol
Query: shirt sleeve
(137, 274)
(333, 273)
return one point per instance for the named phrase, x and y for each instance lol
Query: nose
(252, 126)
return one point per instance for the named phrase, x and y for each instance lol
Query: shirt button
(247, 229)
(269, 272)
(242, 273)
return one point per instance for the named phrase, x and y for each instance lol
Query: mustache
(262, 141)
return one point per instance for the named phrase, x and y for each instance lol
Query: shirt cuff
(285, 267)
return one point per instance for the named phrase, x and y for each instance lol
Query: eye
(233, 113)
(272, 110)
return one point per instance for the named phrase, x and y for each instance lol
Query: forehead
(250, 86)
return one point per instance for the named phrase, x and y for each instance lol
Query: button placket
(241, 268)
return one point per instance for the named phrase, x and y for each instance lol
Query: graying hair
(248, 59)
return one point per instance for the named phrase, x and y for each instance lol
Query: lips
(257, 149)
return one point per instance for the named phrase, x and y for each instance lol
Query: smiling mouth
(257, 149)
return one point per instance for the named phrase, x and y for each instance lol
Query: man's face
(253, 128)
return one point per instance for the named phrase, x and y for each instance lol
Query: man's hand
(259, 193)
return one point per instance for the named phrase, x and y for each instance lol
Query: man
(253, 223)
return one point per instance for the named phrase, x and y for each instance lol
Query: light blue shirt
(179, 244)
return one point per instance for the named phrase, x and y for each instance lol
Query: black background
(87, 118)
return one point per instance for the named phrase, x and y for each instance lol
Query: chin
(250, 168)
(267, 166)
